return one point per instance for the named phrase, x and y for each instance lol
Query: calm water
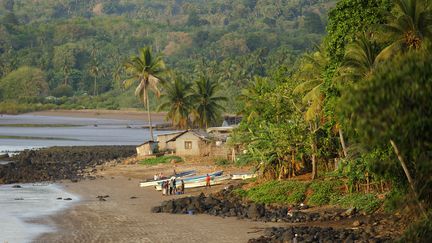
(17, 206)
(83, 133)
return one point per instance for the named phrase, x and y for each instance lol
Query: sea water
(20, 205)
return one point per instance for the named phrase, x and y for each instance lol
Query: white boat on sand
(243, 176)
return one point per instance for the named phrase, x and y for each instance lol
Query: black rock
(68, 199)
(16, 186)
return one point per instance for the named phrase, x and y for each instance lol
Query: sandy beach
(122, 218)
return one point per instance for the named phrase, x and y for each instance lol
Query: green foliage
(420, 231)
(24, 82)
(394, 104)
(277, 192)
(222, 162)
(362, 201)
(160, 160)
(323, 192)
(350, 17)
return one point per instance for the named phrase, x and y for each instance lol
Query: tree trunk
(94, 88)
(408, 175)
(314, 161)
(149, 118)
(342, 141)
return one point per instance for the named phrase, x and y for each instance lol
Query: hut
(146, 148)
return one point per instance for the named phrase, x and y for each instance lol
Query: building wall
(162, 139)
(146, 149)
(220, 150)
(199, 147)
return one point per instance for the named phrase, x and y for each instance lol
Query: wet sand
(122, 219)
(157, 117)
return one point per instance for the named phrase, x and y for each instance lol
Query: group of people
(159, 176)
(170, 187)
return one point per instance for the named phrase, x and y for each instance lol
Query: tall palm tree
(310, 74)
(145, 69)
(177, 97)
(207, 102)
(408, 27)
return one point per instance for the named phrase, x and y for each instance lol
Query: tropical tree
(177, 98)
(208, 102)
(145, 69)
(408, 27)
(361, 57)
(310, 75)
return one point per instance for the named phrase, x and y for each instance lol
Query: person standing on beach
(166, 187)
(208, 181)
(174, 186)
(171, 186)
(182, 187)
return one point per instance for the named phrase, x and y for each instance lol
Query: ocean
(19, 205)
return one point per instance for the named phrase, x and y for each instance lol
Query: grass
(323, 192)
(160, 160)
(316, 193)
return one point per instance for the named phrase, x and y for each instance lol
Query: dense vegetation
(79, 46)
(356, 110)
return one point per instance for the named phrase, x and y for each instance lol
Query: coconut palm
(310, 75)
(145, 69)
(408, 27)
(207, 101)
(177, 97)
(361, 57)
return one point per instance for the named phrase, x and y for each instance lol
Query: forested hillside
(78, 47)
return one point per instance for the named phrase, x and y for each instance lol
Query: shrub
(363, 201)
(323, 192)
(277, 192)
(160, 160)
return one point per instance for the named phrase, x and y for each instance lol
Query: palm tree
(178, 99)
(361, 57)
(310, 74)
(146, 70)
(409, 27)
(207, 102)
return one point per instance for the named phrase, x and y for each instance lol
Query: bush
(277, 192)
(365, 202)
(160, 160)
(222, 162)
(420, 231)
(323, 192)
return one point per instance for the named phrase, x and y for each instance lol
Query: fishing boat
(178, 175)
(243, 176)
(200, 182)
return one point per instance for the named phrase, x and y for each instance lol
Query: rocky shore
(227, 204)
(59, 163)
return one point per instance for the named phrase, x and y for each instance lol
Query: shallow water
(19, 205)
(83, 133)
(40, 201)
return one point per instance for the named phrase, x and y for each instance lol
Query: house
(164, 138)
(191, 143)
(146, 148)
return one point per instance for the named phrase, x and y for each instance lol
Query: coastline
(122, 218)
(157, 117)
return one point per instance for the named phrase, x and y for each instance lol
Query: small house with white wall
(146, 149)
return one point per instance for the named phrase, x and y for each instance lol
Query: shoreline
(122, 218)
(157, 117)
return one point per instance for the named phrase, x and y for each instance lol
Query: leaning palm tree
(145, 69)
(408, 27)
(177, 97)
(207, 101)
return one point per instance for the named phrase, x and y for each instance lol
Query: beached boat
(200, 182)
(178, 175)
(243, 176)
